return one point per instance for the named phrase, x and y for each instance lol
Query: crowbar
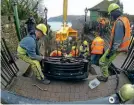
(39, 87)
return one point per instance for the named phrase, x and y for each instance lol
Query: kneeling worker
(97, 49)
(74, 52)
(27, 51)
(55, 53)
(84, 49)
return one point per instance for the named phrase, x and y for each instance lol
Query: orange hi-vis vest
(54, 53)
(97, 46)
(73, 54)
(126, 39)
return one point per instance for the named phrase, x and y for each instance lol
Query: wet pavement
(62, 91)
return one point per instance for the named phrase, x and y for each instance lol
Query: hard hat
(85, 42)
(112, 7)
(70, 38)
(42, 28)
(73, 47)
(59, 53)
(126, 92)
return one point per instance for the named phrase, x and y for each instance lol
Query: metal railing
(129, 61)
(8, 67)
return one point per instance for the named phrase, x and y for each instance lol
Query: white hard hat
(69, 38)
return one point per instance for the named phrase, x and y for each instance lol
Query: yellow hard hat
(126, 92)
(112, 7)
(42, 28)
(73, 47)
(85, 42)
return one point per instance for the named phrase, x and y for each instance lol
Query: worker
(74, 52)
(84, 49)
(97, 49)
(27, 51)
(120, 40)
(54, 53)
(31, 24)
(69, 45)
(102, 21)
(102, 26)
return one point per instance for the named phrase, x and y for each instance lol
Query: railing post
(86, 11)
(16, 20)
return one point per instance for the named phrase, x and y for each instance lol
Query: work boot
(101, 78)
(45, 81)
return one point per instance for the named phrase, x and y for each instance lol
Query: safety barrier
(8, 66)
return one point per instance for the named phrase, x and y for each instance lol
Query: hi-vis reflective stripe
(99, 44)
(126, 39)
(123, 49)
(101, 63)
(96, 51)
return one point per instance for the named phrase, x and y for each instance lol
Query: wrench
(39, 87)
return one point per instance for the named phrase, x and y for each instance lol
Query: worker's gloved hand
(68, 56)
(65, 55)
(44, 58)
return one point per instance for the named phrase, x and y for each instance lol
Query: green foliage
(25, 8)
(6, 8)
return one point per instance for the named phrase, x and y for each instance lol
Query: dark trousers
(95, 58)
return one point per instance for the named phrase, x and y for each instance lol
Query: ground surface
(65, 91)
(69, 91)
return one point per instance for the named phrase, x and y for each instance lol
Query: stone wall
(8, 32)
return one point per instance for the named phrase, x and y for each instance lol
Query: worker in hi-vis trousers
(120, 40)
(28, 52)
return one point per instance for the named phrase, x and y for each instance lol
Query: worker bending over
(27, 51)
(120, 39)
(74, 52)
(84, 49)
(97, 49)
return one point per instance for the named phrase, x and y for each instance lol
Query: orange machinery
(65, 31)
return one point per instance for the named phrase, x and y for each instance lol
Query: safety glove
(44, 58)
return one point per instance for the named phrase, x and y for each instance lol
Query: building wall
(94, 15)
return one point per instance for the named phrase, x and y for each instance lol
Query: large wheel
(74, 68)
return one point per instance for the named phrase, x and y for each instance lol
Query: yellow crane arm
(65, 4)
(65, 30)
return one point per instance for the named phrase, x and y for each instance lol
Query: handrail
(8, 67)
